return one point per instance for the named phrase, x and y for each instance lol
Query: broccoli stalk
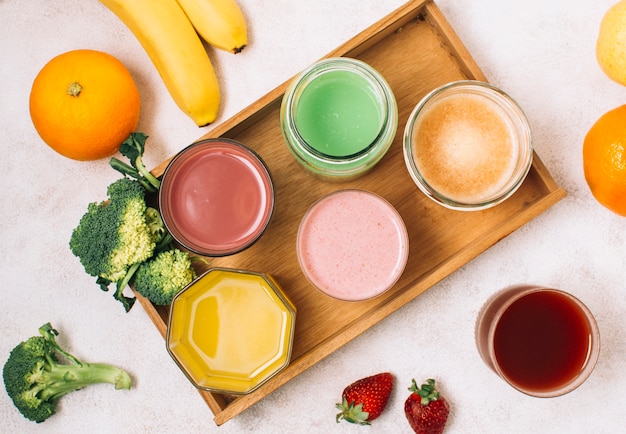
(133, 148)
(35, 380)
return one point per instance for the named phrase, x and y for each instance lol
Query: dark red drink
(544, 342)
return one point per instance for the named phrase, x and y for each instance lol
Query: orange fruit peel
(604, 160)
(84, 104)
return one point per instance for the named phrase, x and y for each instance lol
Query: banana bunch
(168, 31)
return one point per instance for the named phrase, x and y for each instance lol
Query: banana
(171, 42)
(219, 22)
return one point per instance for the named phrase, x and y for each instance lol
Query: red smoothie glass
(216, 197)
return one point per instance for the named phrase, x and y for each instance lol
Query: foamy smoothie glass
(352, 245)
(467, 145)
(216, 197)
(542, 341)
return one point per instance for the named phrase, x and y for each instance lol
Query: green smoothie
(339, 114)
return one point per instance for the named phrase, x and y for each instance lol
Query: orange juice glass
(230, 331)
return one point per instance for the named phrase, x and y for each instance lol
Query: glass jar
(339, 117)
(467, 145)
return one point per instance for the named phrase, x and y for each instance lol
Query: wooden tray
(416, 50)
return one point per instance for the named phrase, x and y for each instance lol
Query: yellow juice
(231, 331)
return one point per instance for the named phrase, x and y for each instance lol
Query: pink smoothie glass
(352, 245)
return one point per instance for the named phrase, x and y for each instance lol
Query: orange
(604, 160)
(84, 104)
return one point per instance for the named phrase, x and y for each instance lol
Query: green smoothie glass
(339, 118)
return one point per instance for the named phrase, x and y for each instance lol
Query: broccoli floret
(162, 277)
(35, 380)
(114, 236)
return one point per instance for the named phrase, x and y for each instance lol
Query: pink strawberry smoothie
(352, 245)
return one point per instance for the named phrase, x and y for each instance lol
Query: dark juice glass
(544, 342)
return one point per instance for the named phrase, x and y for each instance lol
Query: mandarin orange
(84, 104)
(604, 160)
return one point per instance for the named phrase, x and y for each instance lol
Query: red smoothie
(216, 197)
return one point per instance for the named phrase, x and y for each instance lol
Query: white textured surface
(540, 52)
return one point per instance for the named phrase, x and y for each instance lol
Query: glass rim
(317, 70)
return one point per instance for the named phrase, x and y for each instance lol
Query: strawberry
(425, 409)
(365, 399)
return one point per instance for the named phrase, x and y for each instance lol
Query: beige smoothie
(465, 148)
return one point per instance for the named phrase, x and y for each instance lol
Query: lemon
(611, 43)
